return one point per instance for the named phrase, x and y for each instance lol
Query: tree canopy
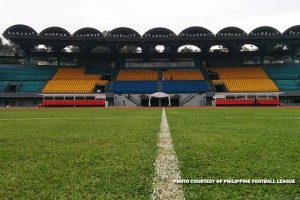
(6, 48)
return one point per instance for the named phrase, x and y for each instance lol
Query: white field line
(262, 117)
(166, 166)
(229, 117)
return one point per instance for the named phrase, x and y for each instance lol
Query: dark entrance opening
(175, 102)
(144, 102)
(154, 101)
(100, 88)
(106, 77)
(11, 88)
(164, 101)
(220, 88)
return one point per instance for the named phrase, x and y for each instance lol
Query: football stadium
(158, 68)
(90, 115)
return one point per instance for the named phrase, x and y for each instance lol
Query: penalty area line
(166, 166)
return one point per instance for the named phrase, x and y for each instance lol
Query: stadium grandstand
(158, 68)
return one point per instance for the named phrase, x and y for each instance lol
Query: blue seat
(134, 87)
(286, 77)
(28, 78)
(185, 86)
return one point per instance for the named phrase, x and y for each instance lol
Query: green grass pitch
(110, 153)
(78, 153)
(237, 143)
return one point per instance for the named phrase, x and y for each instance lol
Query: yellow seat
(247, 79)
(183, 74)
(72, 80)
(137, 75)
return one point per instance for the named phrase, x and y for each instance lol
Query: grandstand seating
(247, 79)
(230, 102)
(283, 72)
(66, 103)
(134, 87)
(144, 81)
(183, 74)
(268, 102)
(249, 102)
(3, 84)
(287, 78)
(136, 81)
(28, 78)
(137, 75)
(185, 86)
(31, 86)
(249, 85)
(73, 74)
(288, 85)
(147, 81)
(72, 80)
(240, 72)
(26, 73)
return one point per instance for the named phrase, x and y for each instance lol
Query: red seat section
(234, 102)
(268, 102)
(249, 102)
(97, 102)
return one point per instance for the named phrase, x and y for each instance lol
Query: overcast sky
(143, 15)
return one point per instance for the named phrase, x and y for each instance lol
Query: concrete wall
(198, 100)
(20, 102)
(118, 100)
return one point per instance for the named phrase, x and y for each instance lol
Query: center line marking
(166, 166)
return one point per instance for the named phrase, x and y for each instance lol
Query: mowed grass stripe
(78, 159)
(237, 148)
(73, 118)
(114, 118)
(166, 166)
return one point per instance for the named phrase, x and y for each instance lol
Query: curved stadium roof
(123, 32)
(21, 29)
(54, 31)
(88, 32)
(159, 32)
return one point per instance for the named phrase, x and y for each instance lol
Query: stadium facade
(159, 68)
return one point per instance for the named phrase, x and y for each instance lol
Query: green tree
(129, 49)
(71, 48)
(187, 50)
(279, 46)
(7, 49)
(74, 49)
(105, 33)
(101, 49)
(244, 48)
